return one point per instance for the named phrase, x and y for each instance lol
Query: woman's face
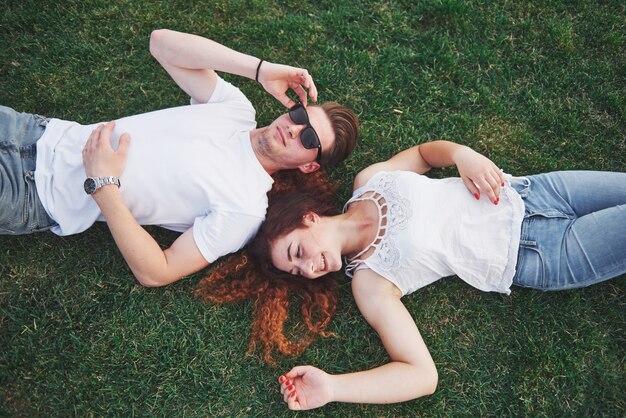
(306, 252)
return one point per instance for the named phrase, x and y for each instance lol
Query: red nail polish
(287, 382)
(292, 394)
(502, 184)
(290, 387)
(495, 202)
(281, 379)
(476, 196)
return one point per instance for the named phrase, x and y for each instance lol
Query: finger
(296, 371)
(312, 90)
(471, 187)
(285, 100)
(106, 132)
(122, 147)
(292, 402)
(301, 94)
(289, 392)
(93, 138)
(496, 184)
(500, 174)
(285, 384)
(487, 188)
(100, 135)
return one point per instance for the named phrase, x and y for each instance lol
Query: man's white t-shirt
(188, 166)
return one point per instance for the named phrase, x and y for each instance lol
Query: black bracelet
(256, 78)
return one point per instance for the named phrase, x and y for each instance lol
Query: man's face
(281, 142)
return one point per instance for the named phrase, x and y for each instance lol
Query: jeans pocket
(531, 269)
(35, 217)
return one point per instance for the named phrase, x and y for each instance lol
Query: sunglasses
(308, 136)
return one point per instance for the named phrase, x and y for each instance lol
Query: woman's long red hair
(250, 275)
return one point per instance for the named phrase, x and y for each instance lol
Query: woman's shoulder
(367, 281)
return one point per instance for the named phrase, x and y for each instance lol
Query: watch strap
(92, 184)
(103, 181)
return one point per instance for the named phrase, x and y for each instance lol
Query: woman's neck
(358, 227)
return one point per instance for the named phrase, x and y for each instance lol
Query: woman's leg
(574, 231)
(21, 211)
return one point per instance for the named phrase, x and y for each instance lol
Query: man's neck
(269, 166)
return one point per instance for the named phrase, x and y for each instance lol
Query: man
(203, 169)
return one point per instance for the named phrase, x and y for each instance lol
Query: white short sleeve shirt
(188, 166)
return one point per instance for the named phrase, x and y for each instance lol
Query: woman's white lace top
(434, 228)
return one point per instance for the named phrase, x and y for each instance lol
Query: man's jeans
(21, 211)
(574, 229)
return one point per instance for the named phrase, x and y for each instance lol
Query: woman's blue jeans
(574, 229)
(21, 211)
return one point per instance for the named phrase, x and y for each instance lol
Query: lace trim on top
(394, 212)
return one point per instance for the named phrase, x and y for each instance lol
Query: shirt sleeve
(221, 233)
(225, 92)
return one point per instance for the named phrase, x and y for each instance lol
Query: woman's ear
(310, 218)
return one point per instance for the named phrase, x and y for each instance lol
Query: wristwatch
(92, 184)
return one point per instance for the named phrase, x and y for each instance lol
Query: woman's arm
(409, 375)
(479, 173)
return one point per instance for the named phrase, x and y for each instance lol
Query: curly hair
(250, 274)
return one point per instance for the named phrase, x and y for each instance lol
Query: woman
(401, 231)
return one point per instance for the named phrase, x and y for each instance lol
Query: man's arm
(192, 60)
(151, 265)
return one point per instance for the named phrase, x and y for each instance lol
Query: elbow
(147, 280)
(156, 41)
(433, 380)
(425, 381)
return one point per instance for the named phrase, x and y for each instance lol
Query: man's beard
(264, 145)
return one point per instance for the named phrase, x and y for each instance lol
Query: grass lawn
(535, 85)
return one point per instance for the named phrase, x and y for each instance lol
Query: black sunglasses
(308, 136)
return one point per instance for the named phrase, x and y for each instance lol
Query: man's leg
(21, 211)
(574, 231)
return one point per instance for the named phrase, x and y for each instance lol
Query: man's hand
(276, 79)
(305, 387)
(99, 157)
(479, 174)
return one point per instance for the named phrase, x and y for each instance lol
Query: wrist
(334, 383)
(93, 184)
(258, 69)
(459, 152)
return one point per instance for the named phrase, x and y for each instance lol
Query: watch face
(90, 186)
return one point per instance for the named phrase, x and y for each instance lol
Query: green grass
(535, 85)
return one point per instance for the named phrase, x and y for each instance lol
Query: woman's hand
(276, 79)
(479, 174)
(306, 387)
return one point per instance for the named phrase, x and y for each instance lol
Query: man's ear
(310, 218)
(309, 167)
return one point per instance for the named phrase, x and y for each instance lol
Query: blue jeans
(21, 211)
(574, 229)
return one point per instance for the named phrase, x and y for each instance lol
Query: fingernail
(495, 202)
(476, 196)
(290, 387)
(281, 379)
(292, 394)
(502, 184)
(288, 382)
